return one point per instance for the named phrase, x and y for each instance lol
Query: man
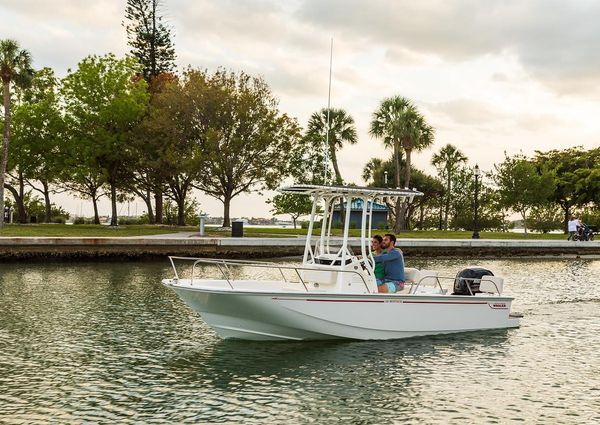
(393, 266)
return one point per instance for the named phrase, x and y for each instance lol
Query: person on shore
(572, 225)
(393, 266)
(376, 249)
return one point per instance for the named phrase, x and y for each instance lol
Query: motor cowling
(469, 278)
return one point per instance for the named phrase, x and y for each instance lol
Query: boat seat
(411, 275)
(425, 282)
(491, 284)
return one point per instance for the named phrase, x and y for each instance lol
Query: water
(105, 342)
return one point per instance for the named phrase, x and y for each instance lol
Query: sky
(490, 76)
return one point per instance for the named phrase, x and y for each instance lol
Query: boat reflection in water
(333, 294)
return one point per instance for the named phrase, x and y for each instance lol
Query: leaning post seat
(491, 285)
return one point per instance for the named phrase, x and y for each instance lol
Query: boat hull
(311, 316)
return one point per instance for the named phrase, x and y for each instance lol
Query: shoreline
(86, 248)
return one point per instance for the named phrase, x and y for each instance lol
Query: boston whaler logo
(501, 306)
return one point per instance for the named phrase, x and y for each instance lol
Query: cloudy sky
(490, 76)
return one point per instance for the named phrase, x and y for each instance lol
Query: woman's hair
(378, 238)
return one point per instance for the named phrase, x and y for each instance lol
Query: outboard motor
(471, 276)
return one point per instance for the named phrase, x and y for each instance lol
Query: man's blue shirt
(393, 264)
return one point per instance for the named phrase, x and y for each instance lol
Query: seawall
(15, 248)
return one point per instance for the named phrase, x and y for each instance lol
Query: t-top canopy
(309, 189)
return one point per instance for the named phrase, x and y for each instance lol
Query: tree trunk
(226, 206)
(397, 163)
(447, 207)
(113, 201)
(5, 140)
(407, 169)
(18, 201)
(95, 203)
(565, 208)
(158, 202)
(181, 211)
(147, 200)
(48, 206)
(524, 216)
(21, 202)
(399, 224)
(336, 168)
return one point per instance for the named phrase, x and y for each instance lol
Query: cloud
(557, 42)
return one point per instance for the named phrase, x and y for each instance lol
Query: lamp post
(385, 177)
(476, 205)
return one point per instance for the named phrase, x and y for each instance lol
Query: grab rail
(257, 264)
(437, 278)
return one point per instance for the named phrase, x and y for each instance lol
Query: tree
(292, 204)
(545, 218)
(176, 118)
(341, 130)
(520, 186)
(576, 177)
(149, 38)
(15, 68)
(104, 101)
(38, 133)
(243, 134)
(398, 122)
(432, 189)
(447, 161)
(149, 175)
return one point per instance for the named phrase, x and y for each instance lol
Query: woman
(377, 250)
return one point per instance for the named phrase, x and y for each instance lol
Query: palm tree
(447, 161)
(341, 131)
(398, 122)
(15, 67)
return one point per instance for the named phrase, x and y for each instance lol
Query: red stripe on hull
(443, 302)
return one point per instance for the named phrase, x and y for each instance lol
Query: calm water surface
(105, 342)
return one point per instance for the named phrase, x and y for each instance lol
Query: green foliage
(576, 177)
(244, 136)
(103, 100)
(522, 186)
(448, 161)
(34, 206)
(149, 37)
(545, 218)
(15, 69)
(190, 213)
(292, 204)
(339, 131)
(38, 132)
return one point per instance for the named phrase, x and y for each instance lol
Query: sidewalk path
(191, 244)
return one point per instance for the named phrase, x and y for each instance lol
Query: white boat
(333, 293)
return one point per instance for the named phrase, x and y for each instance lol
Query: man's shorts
(392, 285)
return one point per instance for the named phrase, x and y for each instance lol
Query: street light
(476, 205)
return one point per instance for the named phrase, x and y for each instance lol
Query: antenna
(326, 160)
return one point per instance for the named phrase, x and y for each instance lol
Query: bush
(316, 225)
(79, 220)
(59, 219)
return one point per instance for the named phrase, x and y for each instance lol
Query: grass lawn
(91, 230)
(87, 230)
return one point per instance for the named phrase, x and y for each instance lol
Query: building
(380, 214)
